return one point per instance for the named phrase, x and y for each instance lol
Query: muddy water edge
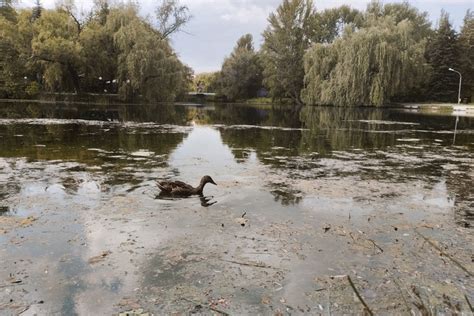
(316, 211)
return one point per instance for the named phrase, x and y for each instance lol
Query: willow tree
(366, 67)
(17, 69)
(285, 41)
(241, 74)
(57, 49)
(146, 62)
(9, 74)
(99, 50)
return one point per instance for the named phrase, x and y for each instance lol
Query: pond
(306, 200)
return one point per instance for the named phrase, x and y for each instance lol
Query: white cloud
(247, 14)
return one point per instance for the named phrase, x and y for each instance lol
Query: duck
(179, 188)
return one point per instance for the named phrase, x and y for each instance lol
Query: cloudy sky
(217, 24)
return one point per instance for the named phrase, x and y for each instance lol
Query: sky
(216, 25)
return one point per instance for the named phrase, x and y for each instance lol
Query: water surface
(317, 185)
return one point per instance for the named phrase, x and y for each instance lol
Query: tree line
(346, 57)
(340, 56)
(111, 49)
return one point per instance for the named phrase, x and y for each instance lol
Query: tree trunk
(75, 78)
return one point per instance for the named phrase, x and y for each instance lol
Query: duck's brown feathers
(176, 188)
(180, 188)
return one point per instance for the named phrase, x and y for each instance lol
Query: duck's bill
(212, 181)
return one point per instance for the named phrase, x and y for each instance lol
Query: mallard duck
(183, 189)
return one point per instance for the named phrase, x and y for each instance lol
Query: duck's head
(207, 179)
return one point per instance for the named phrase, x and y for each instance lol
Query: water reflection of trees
(324, 130)
(232, 114)
(157, 113)
(124, 155)
(460, 184)
(73, 142)
(339, 129)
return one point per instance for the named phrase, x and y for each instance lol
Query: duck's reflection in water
(206, 201)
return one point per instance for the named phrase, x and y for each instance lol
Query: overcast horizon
(217, 24)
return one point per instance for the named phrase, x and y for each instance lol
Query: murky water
(84, 231)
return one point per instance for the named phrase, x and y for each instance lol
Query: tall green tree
(171, 16)
(17, 71)
(101, 11)
(146, 63)
(365, 67)
(111, 49)
(443, 52)
(399, 12)
(37, 9)
(9, 75)
(331, 23)
(56, 47)
(6, 10)
(285, 41)
(241, 74)
(466, 41)
(99, 51)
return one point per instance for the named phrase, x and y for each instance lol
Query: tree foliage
(241, 74)
(285, 41)
(37, 9)
(206, 82)
(369, 66)
(15, 49)
(331, 23)
(399, 12)
(443, 52)
(466, 46)
(171, 17)
(6, 10)
(112, 49)
(56, 47)
(146, 62)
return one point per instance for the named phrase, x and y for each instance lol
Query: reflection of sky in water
(202, 152)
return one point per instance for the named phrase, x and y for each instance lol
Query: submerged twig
(401, 293)
(359, 296)
(375, 245)
(23, 310)
(421, 305)
(206, 306)
(456, 262)
(368, 239)
(469, 303)
(8, 285)
(250, 264)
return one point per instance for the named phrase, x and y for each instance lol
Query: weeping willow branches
(366, 67)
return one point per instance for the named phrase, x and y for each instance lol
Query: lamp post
(460, 82)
